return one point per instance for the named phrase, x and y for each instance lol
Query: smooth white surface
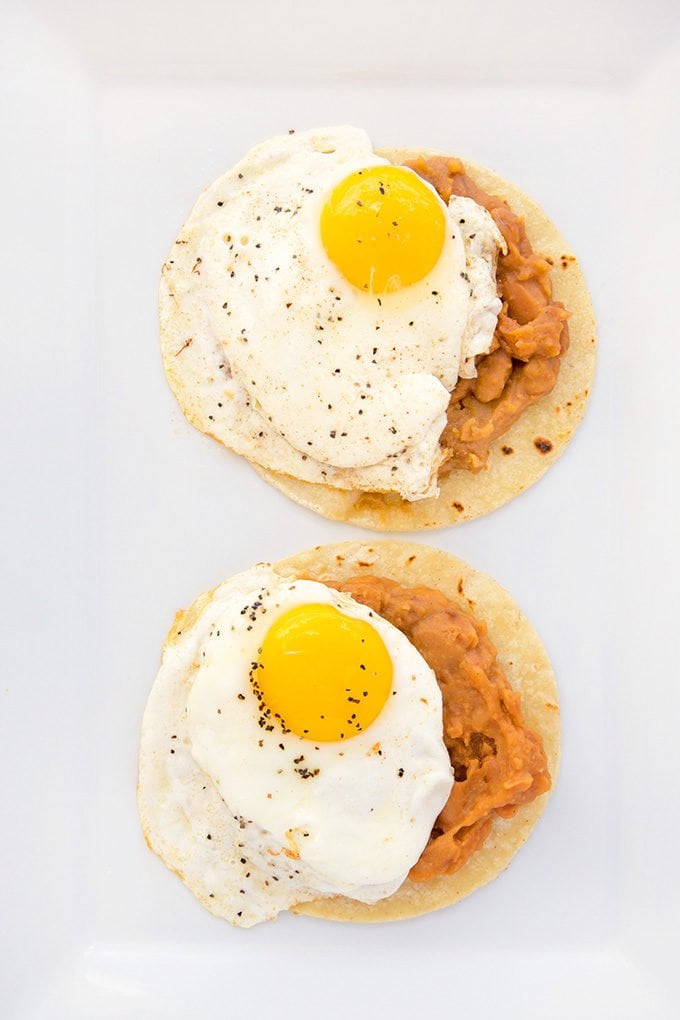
(116, 512)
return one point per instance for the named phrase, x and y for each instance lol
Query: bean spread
(498, 763)
(531, 336)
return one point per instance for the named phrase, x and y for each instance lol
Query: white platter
(116, 512)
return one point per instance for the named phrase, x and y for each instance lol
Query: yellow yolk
(384, 228)
(324, 675)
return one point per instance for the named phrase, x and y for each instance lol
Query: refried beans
(531, 336)
(498, 763)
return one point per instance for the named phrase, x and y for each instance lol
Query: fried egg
(332, 304)
(292, 748)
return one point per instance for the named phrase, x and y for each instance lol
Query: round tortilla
(464, 495)
(168, 829)
(526, 666)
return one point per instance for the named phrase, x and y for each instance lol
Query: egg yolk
(383, 228)
(324, 675)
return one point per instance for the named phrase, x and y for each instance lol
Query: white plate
(117, 512)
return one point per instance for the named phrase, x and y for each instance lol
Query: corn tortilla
(520, 652)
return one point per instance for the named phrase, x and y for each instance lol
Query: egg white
(226, 803)
(347, 377)
(321, 380)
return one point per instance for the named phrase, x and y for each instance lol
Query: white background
(115, 512)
